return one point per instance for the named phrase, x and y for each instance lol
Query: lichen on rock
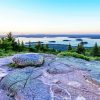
(28, 60)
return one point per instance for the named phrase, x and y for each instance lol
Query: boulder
(28, 60)
(24, 84)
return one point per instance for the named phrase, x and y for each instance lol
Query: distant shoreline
(92, 36)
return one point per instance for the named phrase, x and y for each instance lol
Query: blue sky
(50, 16)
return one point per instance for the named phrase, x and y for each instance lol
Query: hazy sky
(50, 16)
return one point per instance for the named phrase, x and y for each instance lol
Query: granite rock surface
(56, 79)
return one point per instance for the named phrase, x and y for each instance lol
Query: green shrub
(74, 54)
(97, 58)
(1, 52)
(12, 65)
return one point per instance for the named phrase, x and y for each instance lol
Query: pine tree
(0, 43)
(15, 46)
(18, 42)
(22, 46)
(95, 50)
(6, 45)
(46, 46)
(10, 37)
(80, 49)
(19, 45)
(42, 48)
(69, 47)
(38, 46)
(29, 46)
(53, 50)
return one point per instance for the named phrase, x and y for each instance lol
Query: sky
(50, 16)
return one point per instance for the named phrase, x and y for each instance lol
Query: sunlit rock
(28, 60)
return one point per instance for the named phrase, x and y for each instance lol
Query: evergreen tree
(6, 45)
(9, 43)
(38, 46)
(53, 50)
(69, 47)
(95, 50)
(18, 43)
(30, 47)
(15, 46)
(10, 37)
(0, 44)
(46, 47)
(80, 49)
(22, 46)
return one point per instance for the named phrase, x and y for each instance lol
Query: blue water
(60, 42)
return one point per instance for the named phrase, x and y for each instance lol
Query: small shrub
(1, 52)
(74, 54)
(12, 65)
(97, 58)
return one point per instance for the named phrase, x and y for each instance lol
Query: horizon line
(47, 33)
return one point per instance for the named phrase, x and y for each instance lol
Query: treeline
(42, 48)
(9, 44)
(80, 49)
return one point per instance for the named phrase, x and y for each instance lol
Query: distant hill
(93, 36)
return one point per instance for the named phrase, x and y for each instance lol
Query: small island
(33, 42)
(66, 40)
(52, 41)
(79, 39)
(84, 42)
